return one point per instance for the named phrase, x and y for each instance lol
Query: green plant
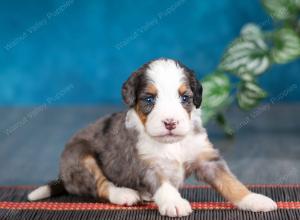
(248, 57)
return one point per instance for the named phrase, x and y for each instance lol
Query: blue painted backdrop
(80, 52)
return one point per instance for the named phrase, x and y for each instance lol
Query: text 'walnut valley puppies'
(146, 152)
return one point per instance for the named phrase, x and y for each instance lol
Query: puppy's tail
(54, 188)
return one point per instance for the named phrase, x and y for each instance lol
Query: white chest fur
(169, 158)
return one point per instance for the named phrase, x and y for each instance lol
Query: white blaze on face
(167, 77)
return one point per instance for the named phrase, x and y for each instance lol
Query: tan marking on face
(150, 90)
(182, 89)
(102, 183)
(141, 114)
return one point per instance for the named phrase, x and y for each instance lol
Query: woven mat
(206, 203)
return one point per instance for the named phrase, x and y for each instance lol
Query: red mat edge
(57, 206)
(187, 186)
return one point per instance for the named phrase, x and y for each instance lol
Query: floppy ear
(129, 90)
(195, 85)
(196, 88)
(136, 82)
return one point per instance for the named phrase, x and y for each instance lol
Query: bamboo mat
(206, 203)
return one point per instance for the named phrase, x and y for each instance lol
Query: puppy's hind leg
(212, 169)
(106, 189)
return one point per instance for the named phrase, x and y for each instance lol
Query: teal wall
(80, 52)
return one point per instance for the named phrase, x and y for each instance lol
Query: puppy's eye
(150, 100)
(185, 98)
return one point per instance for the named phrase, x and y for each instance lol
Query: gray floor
(266, 148)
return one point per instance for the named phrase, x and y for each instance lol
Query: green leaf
(249, 94)
(247, 54)
(282, 9)
(246, 76)
(251, 31)
(286, 46)
(224, 125)
(216, 94)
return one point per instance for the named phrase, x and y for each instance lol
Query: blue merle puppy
(146, 152)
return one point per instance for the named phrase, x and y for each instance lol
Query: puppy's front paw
(257, 203)
(175, 208)
(123, 196)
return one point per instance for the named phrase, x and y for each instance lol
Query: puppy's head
(163, 93)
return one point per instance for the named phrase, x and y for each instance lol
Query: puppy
(146, 152)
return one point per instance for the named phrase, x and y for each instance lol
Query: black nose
(170, 124)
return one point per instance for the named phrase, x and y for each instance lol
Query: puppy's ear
(196, 88)
(134, 84)
(129, 90)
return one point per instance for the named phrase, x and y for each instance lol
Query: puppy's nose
(170, 124)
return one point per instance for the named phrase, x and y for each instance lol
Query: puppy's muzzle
(170, 124)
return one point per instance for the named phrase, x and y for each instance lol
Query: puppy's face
(163, 93)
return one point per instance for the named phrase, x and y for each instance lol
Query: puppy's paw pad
(257, 203)
(176, 208)
(123, 196)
